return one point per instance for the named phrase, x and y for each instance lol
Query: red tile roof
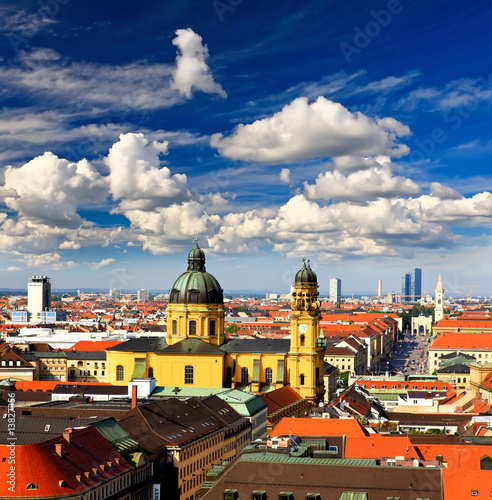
(463, 340)
(319, 427)
(40, 465)
(378, 446)
(48, 385)
(93, 345)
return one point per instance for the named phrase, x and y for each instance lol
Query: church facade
(195, 351)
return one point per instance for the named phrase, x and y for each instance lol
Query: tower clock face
(303, 328)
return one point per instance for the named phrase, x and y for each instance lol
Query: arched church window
(244, 376)
(302, 378)
(303, 340)
(193, 297)
(193, 327)
(268, 376)
(120, 373)
(151, 372)
(212, 328)
(175, 327)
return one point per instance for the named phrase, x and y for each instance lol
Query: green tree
(231, 329)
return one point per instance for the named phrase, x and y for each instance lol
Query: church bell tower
(439, 309)
(306, 353)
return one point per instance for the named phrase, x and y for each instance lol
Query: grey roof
(192, 346)
(119, 390)
(458, 368)
(141, 344)
(257, 345)
(98, 355)
(328, 368)
(31, 429)
(457, 354)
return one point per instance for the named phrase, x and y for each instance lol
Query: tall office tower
(38, 295)
(405, 287)
(380, 288)
(142, 294)
(416, 284)
(114, 293)
(335, 290)
(439, 309)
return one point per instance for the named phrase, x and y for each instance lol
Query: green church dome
(196, 286)
(306, 274)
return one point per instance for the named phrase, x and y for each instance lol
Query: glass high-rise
(416, 284)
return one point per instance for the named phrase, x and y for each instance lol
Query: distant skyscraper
(380, 288)
(114, 293)
(38, 295)
(405, 287)
(416, 284)
(142, 294)
(335, 290)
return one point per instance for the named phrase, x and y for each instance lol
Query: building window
(258, 495)
(212, 328)
(303, 340)
(120, 373)
(302, 378)
(244, 376)
(188, 374)
(268, 376)
(193, 327)
(175, 327)
(317, 375)
(150, 373)
(228, 381)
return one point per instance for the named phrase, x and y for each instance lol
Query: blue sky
(357, 134)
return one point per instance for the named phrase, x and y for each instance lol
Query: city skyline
(359, 140)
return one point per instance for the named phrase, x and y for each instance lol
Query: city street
(409, 356)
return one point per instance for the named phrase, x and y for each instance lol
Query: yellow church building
(195, 351)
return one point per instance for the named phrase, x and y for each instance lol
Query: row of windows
(81, 363)
(405, 386)
(189, 375)
(11, 363)
(261, 495)
(192, 327)
(86, 372)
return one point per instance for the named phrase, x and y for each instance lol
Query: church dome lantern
(306, 275)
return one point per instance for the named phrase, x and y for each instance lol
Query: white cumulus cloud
(136, 177)
(303, 130)
(191, 71)
(102, 263)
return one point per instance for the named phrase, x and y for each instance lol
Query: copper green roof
(196, 286)
(116, 435)
(187, 392)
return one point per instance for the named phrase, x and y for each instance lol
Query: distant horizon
(236, 292)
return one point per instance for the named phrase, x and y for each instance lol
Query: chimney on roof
(134, 396)
(66, 434)
(58, 449)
